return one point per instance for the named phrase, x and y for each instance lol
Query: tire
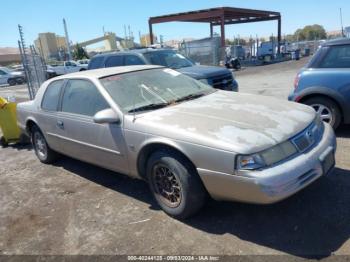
(169, 171)
(20, 81)
(42, 150)
(12, 82)
(3, 142)
(323, 106)
(238, 66)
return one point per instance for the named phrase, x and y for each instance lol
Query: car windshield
(168, 58)
(5, 69)
(152, 89)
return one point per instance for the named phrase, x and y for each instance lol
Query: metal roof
(232, 15)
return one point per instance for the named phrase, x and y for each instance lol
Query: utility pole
(341, 23)
(67, 39)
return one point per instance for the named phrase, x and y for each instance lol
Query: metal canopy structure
(220, 16)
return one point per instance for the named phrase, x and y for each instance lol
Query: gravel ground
(76, 208)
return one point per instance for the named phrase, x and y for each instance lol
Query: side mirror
(107, 116)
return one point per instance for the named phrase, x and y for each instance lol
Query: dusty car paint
(233, 122)
(210, 131)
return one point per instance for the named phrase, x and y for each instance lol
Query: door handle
(60, 124)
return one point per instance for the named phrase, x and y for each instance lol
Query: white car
(8, 77)
(66, 68)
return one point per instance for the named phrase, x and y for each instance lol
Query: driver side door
(81, 137)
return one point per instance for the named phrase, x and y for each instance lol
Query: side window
(82, 97)
(51, 96)
(153, 58)
(96, 62)
(2, 73)
(133, 60)
(337, 57)
(116, 60)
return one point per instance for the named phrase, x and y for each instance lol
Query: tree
(310, 32)
(236, 41)
(289, 38)
(79, 53)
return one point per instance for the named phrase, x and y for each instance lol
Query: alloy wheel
(40, 145)
(324, 112)
(166, 185)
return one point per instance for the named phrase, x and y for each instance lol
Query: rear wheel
(175, 184)
(326, 109)
(42, 150)
(20, 81)
(3, 142)
(11, 82)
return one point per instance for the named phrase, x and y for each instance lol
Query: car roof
(133, 51)
(103, 72)
(341, 41)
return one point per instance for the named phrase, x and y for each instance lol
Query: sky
(87, 18)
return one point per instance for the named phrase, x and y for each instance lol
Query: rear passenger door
(81, 137)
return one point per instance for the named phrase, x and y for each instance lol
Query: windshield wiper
(189, 97)
(148, 107)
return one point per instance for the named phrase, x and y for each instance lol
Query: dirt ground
(76, 208)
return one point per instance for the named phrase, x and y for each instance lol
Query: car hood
(241, 123)
(17, 73)
(203, 72)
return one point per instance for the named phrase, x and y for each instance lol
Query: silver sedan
(185, 138)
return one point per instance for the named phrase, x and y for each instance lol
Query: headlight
(250, 162)
(267, 157)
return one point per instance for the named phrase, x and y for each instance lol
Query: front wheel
(328, 111)
(175, 184)
(42, 150)
(238, 66)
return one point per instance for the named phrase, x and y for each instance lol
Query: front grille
(223, 82)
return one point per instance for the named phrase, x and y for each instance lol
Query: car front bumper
(273, 184)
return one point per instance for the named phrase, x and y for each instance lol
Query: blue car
(217, 77)
(324, 83)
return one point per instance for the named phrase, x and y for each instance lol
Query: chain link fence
(34, 67)
(205, 51)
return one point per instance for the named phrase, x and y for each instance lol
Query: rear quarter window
(96, 62)
(52, 96)
(337, 57)
(112, 61)
(133, 60)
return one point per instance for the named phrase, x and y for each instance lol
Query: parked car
(182, 136)
(10, 77)
(66, 68)
(84, 62)
(220, 78)
(267, 49)
(324, 83)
